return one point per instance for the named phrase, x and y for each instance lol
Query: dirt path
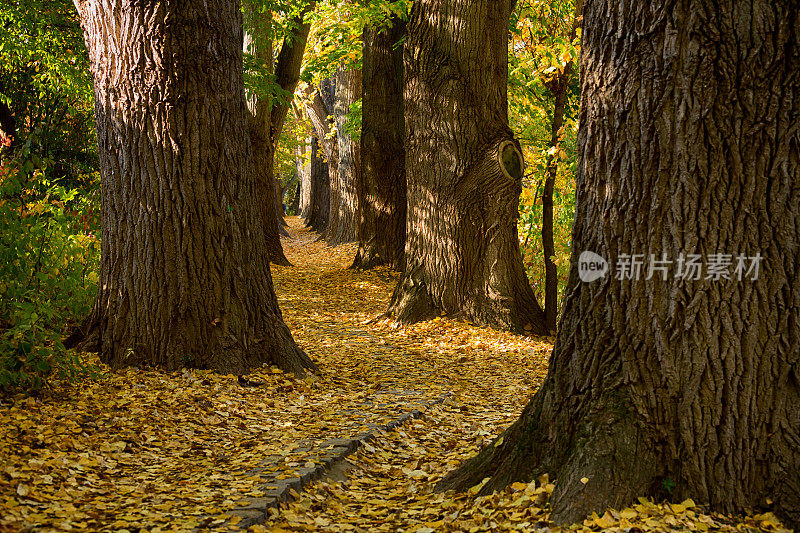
(143, 450)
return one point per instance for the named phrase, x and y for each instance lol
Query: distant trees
(666, 380)
(464, 171)
(184, 279)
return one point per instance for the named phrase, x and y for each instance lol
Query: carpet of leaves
(141, 450)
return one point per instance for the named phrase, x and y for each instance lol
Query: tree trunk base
(369, 257)
(367, 260)
(277, 348)
(277, 257)
(608, 465)
(411, 303)
(604, 458)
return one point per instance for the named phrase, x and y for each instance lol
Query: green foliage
(539, 49)
(352, 124)
(45, 82)
(42, 48)
(337, 29)
(268, 23)
(49, 255)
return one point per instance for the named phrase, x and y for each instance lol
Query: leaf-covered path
(141, 450)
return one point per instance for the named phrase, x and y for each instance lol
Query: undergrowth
(49, 255)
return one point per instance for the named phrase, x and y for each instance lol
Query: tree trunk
(320, 192)
(548, 240)
(559, 87)
(688, 145)
(280, 207)
(319, 110)
(345, 200)
(381, 222)
(304, 171)
(294, 207)
(184, 277)
(464, 171)
(257, 41)
(268, 117)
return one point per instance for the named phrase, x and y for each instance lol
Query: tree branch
(287, 69)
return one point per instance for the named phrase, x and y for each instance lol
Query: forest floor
(145, 451)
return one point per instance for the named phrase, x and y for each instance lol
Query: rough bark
(184, 278)
(344, 198)
(320, 109)
(304, 173)
(294, 207)
(320, 192)
(464, 171)
(381, 220)
(268, 116)
(688, 145)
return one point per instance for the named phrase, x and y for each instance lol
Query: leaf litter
(141, 450)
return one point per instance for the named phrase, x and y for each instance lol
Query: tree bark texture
(268, 117)
(184, 277)
(381, 221)
(464, 171)
(345, 201)
(688, 145)
(304, 173)
(320, 193)
(320, 111)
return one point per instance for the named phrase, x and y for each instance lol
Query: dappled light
(395, 265)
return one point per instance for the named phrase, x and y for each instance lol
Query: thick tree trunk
(264, 167)
(257, 41)
(464, 171)
(294, 207)
(304, 173)
(381, 221)
(184, 277)
(320, 192)
(268, 117)
(688, 145)
(319, 110)
(345, 200)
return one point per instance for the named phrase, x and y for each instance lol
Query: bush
(49, 257)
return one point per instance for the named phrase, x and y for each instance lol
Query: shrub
(49, 256)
